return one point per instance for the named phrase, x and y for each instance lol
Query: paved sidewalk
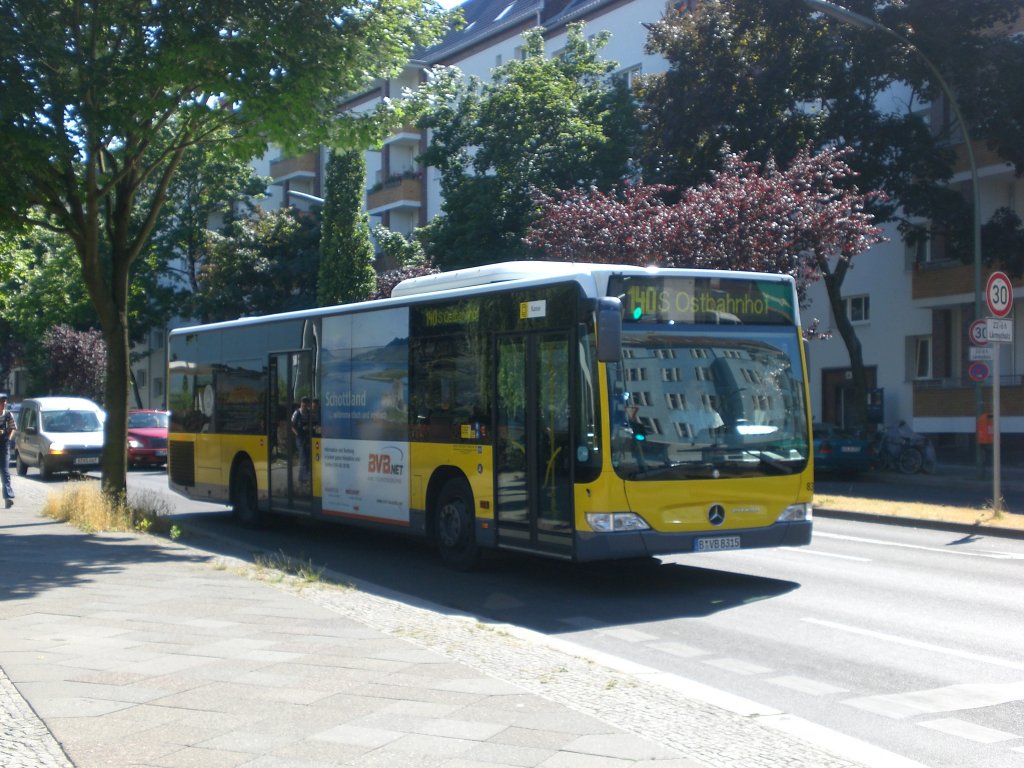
(131, 650)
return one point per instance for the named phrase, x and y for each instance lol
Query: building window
(158, 387)
(676, 401)
(627, 76)
(640, 398)
(684, 430)
(858, 309)
(919, 353)
(140, 377)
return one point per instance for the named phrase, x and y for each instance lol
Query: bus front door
(533, 462)
(290, 455)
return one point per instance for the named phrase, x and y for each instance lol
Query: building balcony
(406, 135)
(301, 167)
(397, 192)
(946, 398)
(936, 280)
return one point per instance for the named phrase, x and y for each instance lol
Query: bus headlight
(795, 512)
(56, 448)
(607, 522)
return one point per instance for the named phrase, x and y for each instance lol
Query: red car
(147, 438)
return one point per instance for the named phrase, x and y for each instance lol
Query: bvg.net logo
(390, 461)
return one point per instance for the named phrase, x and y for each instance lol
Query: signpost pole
(997, 493)
(999, 296)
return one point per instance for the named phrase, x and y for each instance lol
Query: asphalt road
(908, 639)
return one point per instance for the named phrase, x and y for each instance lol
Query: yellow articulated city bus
(576, 411)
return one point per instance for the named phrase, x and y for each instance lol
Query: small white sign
(980, 353)
(532, 309)
(999, 330)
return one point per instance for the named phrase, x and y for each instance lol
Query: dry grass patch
(980, 516)
(84, 505)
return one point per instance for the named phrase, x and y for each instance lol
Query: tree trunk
(859, 389)
(115, 450)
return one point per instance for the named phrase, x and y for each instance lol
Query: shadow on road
(544, 595)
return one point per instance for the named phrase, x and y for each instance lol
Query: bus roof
(593, 278)
(473, 277)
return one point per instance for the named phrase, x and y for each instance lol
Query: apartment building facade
(912, 308)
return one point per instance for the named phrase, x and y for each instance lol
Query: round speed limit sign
(999, 294)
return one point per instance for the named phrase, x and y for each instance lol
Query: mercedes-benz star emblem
(716, 515)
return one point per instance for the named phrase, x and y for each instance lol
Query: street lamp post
(858, 21)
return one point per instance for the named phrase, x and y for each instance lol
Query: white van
(59, 434)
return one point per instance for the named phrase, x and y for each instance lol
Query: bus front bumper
(627, 544)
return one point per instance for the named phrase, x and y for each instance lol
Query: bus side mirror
(609, 330)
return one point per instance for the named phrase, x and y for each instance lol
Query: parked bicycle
(905, 451)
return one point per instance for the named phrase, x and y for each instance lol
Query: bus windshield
(699, 402)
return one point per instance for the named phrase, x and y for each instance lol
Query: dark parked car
(147, 438)
(841, 452)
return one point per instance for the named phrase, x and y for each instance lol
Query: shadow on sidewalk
(33, 562)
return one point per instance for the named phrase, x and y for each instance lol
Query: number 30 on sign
(999, 294)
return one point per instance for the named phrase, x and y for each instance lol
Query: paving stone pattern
(136, 651)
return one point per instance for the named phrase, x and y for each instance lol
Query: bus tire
(455, 525)
(244, 495)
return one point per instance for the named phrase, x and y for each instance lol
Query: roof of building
(486, 19)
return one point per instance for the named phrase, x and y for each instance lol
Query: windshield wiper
(684, 470)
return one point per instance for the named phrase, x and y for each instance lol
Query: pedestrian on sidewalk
(7, 429)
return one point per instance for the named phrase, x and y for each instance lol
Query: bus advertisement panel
(365, 417)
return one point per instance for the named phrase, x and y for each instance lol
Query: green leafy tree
(99, 102)
(346, 252)
(767, 78)
(212, 185)
(397, 249)
(259, 265)
(406, 253)
(543, 122)
(42, 288)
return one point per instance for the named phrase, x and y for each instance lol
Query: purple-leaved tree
(799, 220)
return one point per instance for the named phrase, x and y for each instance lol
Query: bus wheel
(244, 501)
(456, 535)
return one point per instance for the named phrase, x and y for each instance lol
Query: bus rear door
(291, 379)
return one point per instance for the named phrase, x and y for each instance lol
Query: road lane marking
(805, 551)
(681, 650)
(1008, 664)
(629, 635)
(949, 698)
(806, 685)
(970, 731)
(943, 550)
(737, 666)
